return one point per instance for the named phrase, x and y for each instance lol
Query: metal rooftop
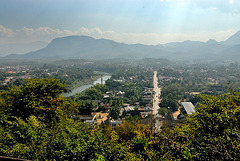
(188, 106)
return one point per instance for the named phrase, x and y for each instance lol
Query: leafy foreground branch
(36, 123)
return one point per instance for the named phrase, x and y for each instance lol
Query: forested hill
(90, 48)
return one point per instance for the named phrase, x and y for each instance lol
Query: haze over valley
(120, 80)
(89, 48)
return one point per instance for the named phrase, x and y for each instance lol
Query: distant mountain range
(89, 48)
(21, 48)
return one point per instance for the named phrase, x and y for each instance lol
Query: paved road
(156, 96)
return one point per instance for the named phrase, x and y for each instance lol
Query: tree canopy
(36, 123)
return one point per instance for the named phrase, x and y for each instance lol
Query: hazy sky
(129, 21)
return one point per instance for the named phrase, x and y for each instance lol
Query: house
(7, 80)
(145, 114)
(147, 108)
(100, 117)
(189, 108)
(141, 109)
(106, 96)
(86, 118)
(11, 72)
(85, 115)
(147, 92)
(25, 77)
(128, 108)
(115, 123)
(194, 93)
(120, 93)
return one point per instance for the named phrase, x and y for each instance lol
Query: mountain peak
(69, 41)
(211, 41)
(234, 39)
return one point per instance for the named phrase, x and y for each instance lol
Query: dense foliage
(36, 123)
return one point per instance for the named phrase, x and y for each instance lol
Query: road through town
(156, 96)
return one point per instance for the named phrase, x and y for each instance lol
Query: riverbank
(79, 83)
(83, 87)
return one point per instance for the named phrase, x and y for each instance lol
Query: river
(82, 88)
